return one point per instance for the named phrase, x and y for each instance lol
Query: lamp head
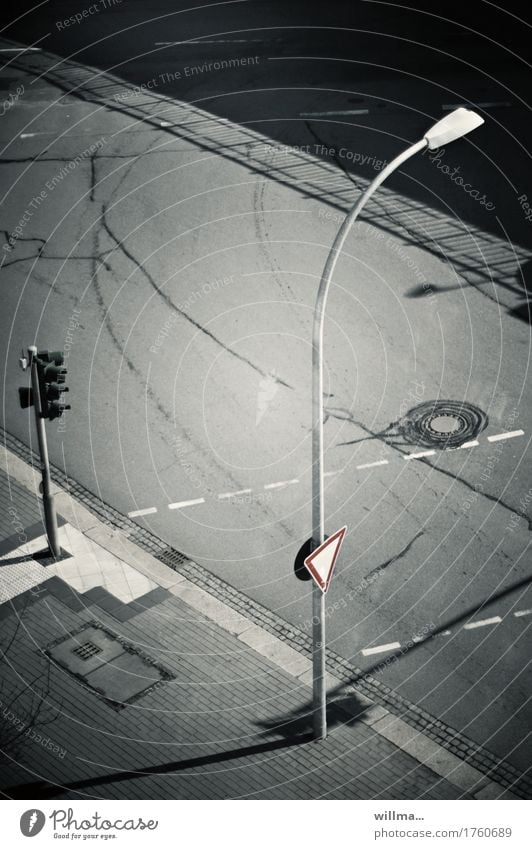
(453, 126)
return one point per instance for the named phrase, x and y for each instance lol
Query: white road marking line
(178, 504)
(215, 41)
(522, 612)
(481, 623)
(145, 512)
(509, 434)
(443, 634)
(280, 483)
(370, 465)
(485, 105)
(419, 455)
(337, 112)
(379, 649)
(20, 49)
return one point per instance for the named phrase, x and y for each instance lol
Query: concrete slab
(127, 676)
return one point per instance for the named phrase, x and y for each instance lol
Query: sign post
(320, 563)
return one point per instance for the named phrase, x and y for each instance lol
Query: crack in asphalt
(168, 416)
(83, 93)
(168, 301)
(343, 414)
(92, 178)
(118, 345)
(395, 557)
(341, 165)
(77, 258)
(263, 238)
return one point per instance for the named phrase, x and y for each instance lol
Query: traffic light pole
(50, 515)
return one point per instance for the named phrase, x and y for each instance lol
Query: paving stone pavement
(223, 702)
(191, 701)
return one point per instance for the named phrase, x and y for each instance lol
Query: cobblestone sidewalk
(122, 679)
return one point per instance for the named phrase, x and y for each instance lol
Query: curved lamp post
(453, 126)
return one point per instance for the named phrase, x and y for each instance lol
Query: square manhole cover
(108, 664)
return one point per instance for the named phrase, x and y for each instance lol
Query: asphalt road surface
(177, 179)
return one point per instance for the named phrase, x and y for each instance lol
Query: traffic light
(51, 373)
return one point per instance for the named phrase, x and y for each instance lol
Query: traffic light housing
(51, 373)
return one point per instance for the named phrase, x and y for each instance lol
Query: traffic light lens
(51, 374)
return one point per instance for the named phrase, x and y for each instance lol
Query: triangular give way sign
(322, 560)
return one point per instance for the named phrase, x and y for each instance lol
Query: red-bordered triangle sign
(322, 560)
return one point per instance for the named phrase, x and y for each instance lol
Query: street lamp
(453, 126)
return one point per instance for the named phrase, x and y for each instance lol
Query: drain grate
(87, 650)
(443, 424)
(172, 558)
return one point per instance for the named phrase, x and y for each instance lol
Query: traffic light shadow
(12, 561)
(45, 558)
(47, 790)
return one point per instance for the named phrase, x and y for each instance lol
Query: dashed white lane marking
(370, 465)
(509, 434)
(178, 504)
(419, 455)
(481, 623)
(237, 492)
(279, 484)
(379, 649)
(214, 41)
(485, 105)
(469, 626)
(335, 112)
(20, 49)
(145, 512)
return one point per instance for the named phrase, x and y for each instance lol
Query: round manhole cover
(443, 424)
